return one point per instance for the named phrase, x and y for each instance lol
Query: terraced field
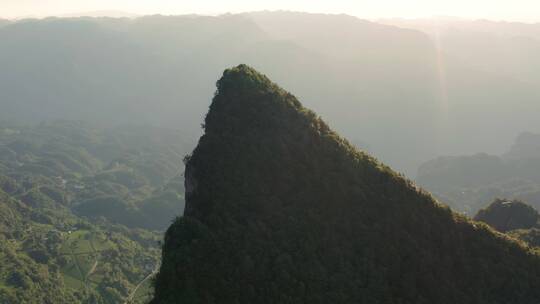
(82, 252)
(85, 268)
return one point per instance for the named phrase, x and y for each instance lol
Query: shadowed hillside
(281, 209)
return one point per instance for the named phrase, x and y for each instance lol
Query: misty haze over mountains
(129, 175)
(398, 91)
(467, 182)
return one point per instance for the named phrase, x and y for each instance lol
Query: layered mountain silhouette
(281, 209)
(425, 95)
(161, 69)
(467, 182)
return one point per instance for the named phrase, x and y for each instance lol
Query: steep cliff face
(280, 209)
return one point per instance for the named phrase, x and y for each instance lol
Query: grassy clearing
(82, 250)
(73, 283)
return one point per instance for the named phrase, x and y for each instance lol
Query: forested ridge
(281, 209)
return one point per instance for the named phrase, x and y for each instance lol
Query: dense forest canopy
(281, 209)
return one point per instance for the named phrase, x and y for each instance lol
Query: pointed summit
(245, 99)
(280, 209)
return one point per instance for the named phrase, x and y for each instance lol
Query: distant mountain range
(102, 13)
(503, 48)
(469, 182)
(406, 95)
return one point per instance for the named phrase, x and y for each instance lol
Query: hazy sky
(519, 10)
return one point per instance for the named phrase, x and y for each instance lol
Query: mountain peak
(247, 95)
(281, 209)
(249, 112)
(242, 75)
